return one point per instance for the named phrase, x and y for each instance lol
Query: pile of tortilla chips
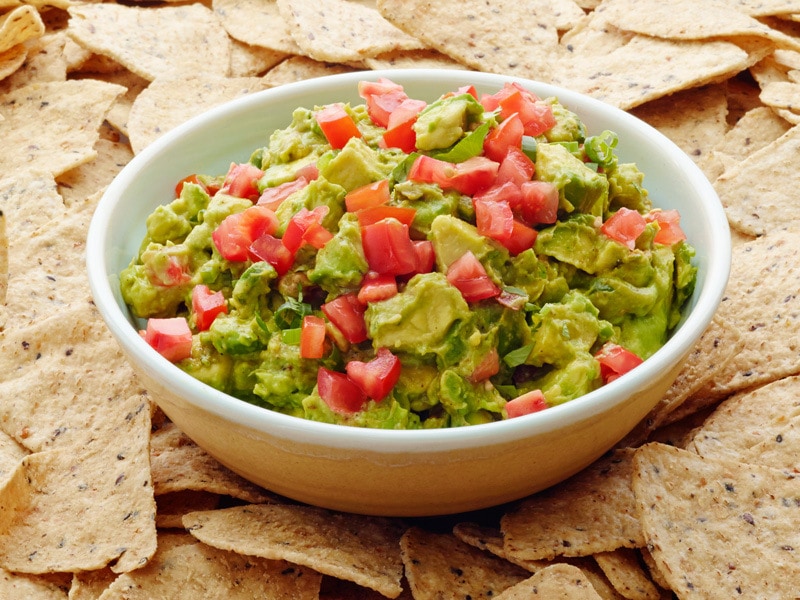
(102, 497)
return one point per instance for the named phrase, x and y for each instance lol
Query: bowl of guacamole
(454, 284)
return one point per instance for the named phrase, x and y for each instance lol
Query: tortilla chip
(178, 464)
(92, 177)
(719, 529)
(257, 23)
(477, 34)
(361, 549)
(168, 102)
(591, 512)
(31, 587)
(626, 573)
(567, 14)
(556, 582)
(102, 481)
(16, 191)
(440, 561)
(251, 61)
(300, 68)
(154, 42)
(761, 426)
(11, 454)
(765, 8)
(172, 507)
(18, 26)
(90, 585)
(185, 568)
(3, 260)
(73, 111)
(359, 30)
(44, 61)
(412, 59)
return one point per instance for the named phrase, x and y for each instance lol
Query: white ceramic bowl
(397, 473)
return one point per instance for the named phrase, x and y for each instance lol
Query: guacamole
(407, 263)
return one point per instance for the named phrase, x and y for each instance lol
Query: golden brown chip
(591, 512)
(556, 582)
(3, 259)
(440, 561)
(12, 60)
(719, 528)
(90, 585)
(624, 570)
(154, 42)
(361, 549)
(32, 587)
(11, 454)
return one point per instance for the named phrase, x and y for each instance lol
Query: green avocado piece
(428, 200)
(626, 188)
(560, 385)
(341, 263)
(468, 403)
(568, 127)
(357, 164)
(283, 379)
(579, 187)
(319, 192)
(442, 123)
(301, 138)
(576, 241)
(452, 238)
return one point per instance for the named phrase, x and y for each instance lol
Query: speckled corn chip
(624, 570)
(19, 25)
(556, 582)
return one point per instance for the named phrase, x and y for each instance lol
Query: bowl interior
(210, 142)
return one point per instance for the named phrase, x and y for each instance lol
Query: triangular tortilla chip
(256, 22)
(18, 26)
(556, 582)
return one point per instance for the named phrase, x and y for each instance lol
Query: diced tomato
(670, 231)
(515, 167)
(373, 214)
(376, 287)
(272, 197)
(522, 237)
(527, 403)
(426, 256)
(171, 337)
(309, 172)
(347, 314)
(367, 196)
(624, 226)
(469, 177)
(388, 247)
(382, 97)
(339, 392)
(615, 361)
(312, 337)
(306, 227)
(174, 272)
(538, 203)
(271, 249)
(507, 134)
(337, 125)
(377, 377)
(501, 192)
(536, 116)
(242, 181)
(467, 89)
(236, 232)
(488, 367)
(493, 219)
(470, 278)
(206, 305)
(400, 128)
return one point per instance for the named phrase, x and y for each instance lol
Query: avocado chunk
(442, 123)
(576, 241)
(579, 187)
(357, 164)
(319, 192)
(452, 238)
(341, 263)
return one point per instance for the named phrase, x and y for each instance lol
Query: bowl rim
(410, 441)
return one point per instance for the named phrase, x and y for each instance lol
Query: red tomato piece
(382, 98)
(373, 214)
(426, 256)
(522, 237)
(171, 337)
(467, 89)
(470, 278)
(538, 203)
(502, 192)
(306, 227)
(388, 247)
(469, 177)
(488, 367)
(236, 232)
(242, 181)
(175, 272)
(377, 377)
(615, 361)
(271, 249)
(376, 287)
(337, 125)
(210, 189)
(507, 134)
(669, 223)
(339, 392)
(400, 128)
(312, 337)
(347, 314)
(624, 226)
(493, 219)
(515, 167)
(527, 403)
(309, 172)
(272, 197)
(206, 305)
(367, 196)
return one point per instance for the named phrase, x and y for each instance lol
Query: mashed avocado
(392, 267)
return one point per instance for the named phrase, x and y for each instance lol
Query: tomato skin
(522, 237)
(272, 197)
(670, 231)
(494, 219)
(615, 361)
(388, 247)
(271, 249)
(425, 255)
(242, 181)
(306, 227)
(376, 287)
(470, 278)
(400, 128)
(507, 134)
(171, 337)
(236, 232)
(382, 97)
(339, 392)
(312, 337)
(347, 314)
(368, 196)
(624, 226)
(337, 125)
(538, 203)
(206, 305)
(373, 214)
(377, 377)
(536, 116)
(516, 167)
(526, 404)
(469, 177)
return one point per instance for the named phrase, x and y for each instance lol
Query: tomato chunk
(469, 177)
(526, 404)
(339, 392)
(400, 129)
(171, 337)
(382, 97)
(236, 232)
(376, 287)
(368, 196)
(388, 247)
(426, 257)
(470, 278)
(206, 305)
(312, 337)
(624, 226)
(373, 214)
(669, 227)
(615, 361)
(377, 377)
(537, 204)
(306, 227)
(489, 366)
(494, 219)
(242, 181)
(522, 237)
(271, 249)
(507, 134)
(515, 167)
(347, 314)
(337, 125)
(272, 197)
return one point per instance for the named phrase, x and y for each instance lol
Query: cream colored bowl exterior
(397, 473)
